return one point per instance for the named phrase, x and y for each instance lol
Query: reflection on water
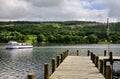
(17, 63)
(16, 54)
(116, 71)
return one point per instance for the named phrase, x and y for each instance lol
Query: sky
(60, 10)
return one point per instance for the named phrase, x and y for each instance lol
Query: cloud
(12, 9)
(59, 10)
(112, 6)
(45, 3)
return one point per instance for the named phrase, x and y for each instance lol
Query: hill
(59, 32)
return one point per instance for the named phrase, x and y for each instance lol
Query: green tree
(92, 39)
(16, 36)
(51, 39)
(67, 39)
(59, 38)
(115, 38)
(76, 39)
(41, 38)
(6, 36)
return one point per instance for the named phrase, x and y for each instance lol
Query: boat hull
(18, 47)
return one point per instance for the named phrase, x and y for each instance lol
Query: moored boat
(16, 45)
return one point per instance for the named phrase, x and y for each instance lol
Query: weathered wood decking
(77, 67)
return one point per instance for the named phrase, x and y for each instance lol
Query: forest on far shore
(59, 32)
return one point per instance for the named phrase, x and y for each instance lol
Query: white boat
(16, 45)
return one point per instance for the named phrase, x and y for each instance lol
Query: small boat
(16, 45)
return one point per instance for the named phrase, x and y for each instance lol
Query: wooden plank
(77, 67)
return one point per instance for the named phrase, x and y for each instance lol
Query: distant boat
(16, 45)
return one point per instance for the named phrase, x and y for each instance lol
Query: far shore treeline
(61, 32)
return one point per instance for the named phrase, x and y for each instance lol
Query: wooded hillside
(73, 32)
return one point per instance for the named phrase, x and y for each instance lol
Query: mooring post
(46, 71)
(105, 52)
(96, 61)
(78, 53)
(109, 72)
(61, 58)
(30, 76)
(94, 58)
(67, 52)
(53, 64)
(91, 56)
(63, 55)
(111, 58)
(58, 60)
(102, 66)
(88, 54)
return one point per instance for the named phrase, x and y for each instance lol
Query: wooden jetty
(80, 67)
(77, 67)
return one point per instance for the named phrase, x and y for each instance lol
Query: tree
(6, 36)
(115, 38)
(59, 38)
(41, 38)
(17, 36)
(67, 39)
(92, 39)
(76, 39)
(51, 39)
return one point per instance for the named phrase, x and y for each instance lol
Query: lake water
(17, 63)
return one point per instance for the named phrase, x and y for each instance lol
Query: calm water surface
(17, 63)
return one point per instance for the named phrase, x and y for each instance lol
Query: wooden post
(88, 54)
(64, 55)
(61, 57)
(105, 52)
(109, 72)
(46, 71)
(53, 65)
(96, 61)
(94, 58)
(102, 66)
(30, 76)
(105, 62)
(91, 55)
(78, 53)
(58, 60)
(111, 58)
(67, 51)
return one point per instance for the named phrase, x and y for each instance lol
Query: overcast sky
(59, 10)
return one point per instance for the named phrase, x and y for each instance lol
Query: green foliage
(92, 39)
(115, 38)
(6, 36)
(31, 38)
(41, 38)
(51, 39)
(59, 32)
(67, 39)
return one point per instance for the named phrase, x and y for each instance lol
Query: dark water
(17, 63)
